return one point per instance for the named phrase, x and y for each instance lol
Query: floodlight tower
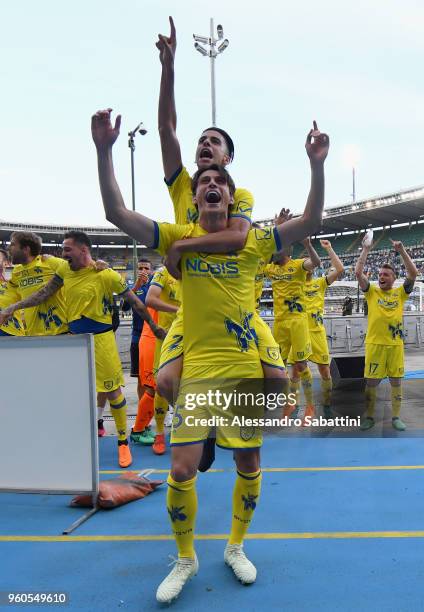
(131, 136)
(212, 52)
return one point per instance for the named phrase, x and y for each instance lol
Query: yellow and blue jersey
(288, 288)
(48, 318)
(8, 296)
(218, 296)
(179, 187)
(170, 294)
(89, 297)
(314, 297)
(385, 315)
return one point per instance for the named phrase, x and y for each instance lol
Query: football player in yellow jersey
(315, 289)
(164, 295)
(288, 277)
(219, 339)
(88, 296)
(214, 146)
(384, 350)
(8, 295)
(31, 272)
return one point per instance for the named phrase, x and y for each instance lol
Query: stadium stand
(396, 216)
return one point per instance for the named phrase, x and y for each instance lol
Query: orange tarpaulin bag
(118, 491)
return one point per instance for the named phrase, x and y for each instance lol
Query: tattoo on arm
(42, 295)
(408, 285)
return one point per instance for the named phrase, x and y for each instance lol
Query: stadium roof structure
(380, 211)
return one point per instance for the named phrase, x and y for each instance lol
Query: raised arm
(141, 309)
(317, 145)
(359, 268)
(35, 299)
(411, 270)
(336, 264)
(313, 261)
(132, 223)
(153, 300)
(167, 115)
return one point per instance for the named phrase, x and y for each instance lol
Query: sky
(355, 67)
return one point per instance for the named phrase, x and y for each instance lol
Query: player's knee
(164, 383)
(247, 461)
(182, 471)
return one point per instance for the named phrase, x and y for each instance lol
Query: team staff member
(208, 328)
(89, 296)
(384, 348)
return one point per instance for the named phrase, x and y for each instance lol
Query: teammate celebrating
(315, 289)
(219, 342)
(384, 349)
(8, 295)
(288, 277)
(89, 296)
(33, 271)
(215, 146)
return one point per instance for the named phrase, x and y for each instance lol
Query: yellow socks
(370, 399)
(119, 412)
(161, 407)
(396, 400)
(326, 388)
(295, 388)
(246, 493)
(306, 380)
(181, 501)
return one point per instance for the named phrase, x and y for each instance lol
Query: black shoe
(208, 455)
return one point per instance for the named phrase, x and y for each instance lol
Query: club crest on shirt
(273, 353)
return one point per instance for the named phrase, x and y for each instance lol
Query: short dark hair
(78, 237)
(144, 260)
(228, 140)
(28, 239)
(388, 266)
(222, 172)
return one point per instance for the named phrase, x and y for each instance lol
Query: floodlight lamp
(220, 31)
(223, 45)
(200, 49)
(201, 39)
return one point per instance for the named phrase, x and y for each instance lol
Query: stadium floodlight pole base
(81, 520)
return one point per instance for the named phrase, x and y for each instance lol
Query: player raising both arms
(219, 339)
(384, 350)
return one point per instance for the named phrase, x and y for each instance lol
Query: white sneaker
(169, 416)
(184, 569)
(243, 569)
